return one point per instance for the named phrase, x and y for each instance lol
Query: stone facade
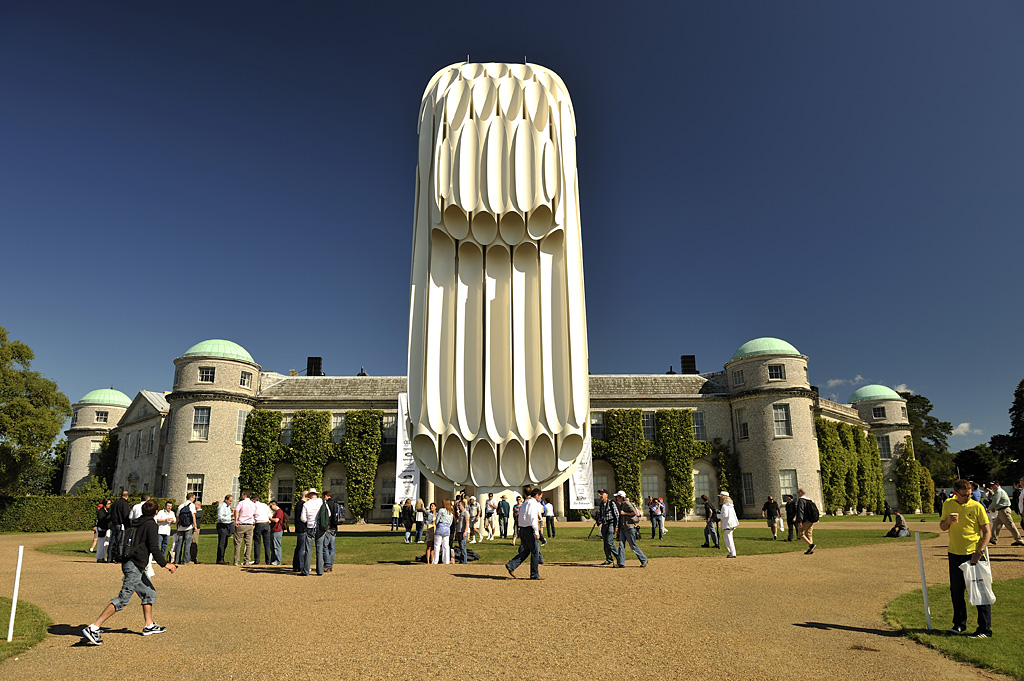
(90, 423)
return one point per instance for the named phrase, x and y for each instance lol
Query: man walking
(528, 524)
(135, 581)
(164, 519)
(503, 511)
(999, 510)
(549, 518)
(710, 518)
(245, 523)
(607, 516)
(771, 512)
(654, 510)
(967, 523)
(790, 516)
(225, 526)
(474, 520)
(629, 518)
(463, 529)
(118, 519)
(490, 509)
(806, 515)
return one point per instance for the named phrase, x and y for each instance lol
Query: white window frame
(788, 482)
(878, 412)
(903, 410)
(390, 432)
(779, 370)
(699, 431)
(597, 426)
(702, 485)
(138, 444)
(102, 417)
(338, 489)
(783, 423)
(737, 377)
(245, 379)
(748, 489)
(74, 418)
(240, 425)
(201, 424)
(742, 427)
(285, 491)
(286, 429)
(211, 375)
(649, 486)
(337, 427)
(194, 483)
(647, 418)
(884, 452)
(387, 494)
(127, 445)
(152, 440)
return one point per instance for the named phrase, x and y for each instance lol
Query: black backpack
(810, 511)
(128, 540)
(185, 517)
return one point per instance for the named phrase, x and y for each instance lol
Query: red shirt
(277, 520)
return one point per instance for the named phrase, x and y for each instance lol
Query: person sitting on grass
(900, 529)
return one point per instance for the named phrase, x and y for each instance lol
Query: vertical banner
(407, 475)
(581, 484)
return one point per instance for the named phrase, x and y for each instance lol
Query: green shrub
(60, 513)
(310, 447)
(907, 472)
(360, 452)
(676, 447)
(625, 449)
(261, 449)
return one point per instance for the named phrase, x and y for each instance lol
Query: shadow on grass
(888, 633)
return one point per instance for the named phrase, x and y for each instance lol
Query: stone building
(761, 405)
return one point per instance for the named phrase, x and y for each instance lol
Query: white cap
(620, 493)
(723, 493)
(312, 491)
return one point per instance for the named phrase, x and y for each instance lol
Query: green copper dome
(874, 392)
(219, 348)
(109, 396)
(765, 346)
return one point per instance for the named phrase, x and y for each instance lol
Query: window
(601, 482)
(236, 487)
(127, 445)
(145, 487)
(748, 489)
(177, 376)
(240, 425)
(742, 429)
(390, 429)
(890, 492)
(787, 482)
(783, 427)
(648, 418)
(206, 374)
(737, 377)
(246, 379)
(387, 494)
(194, 483)
(74, 418)
(286, 429)
(337, 488)
(152, 440)
(138, 445)
(878, 412)
(884, 451)
(649, 486)
(903, 410)
(597, 426)
(201, 423)
(698, 426)
(285, 491)
(94, 452)
(101, 416)
(776, 372)
(337, 427)
(702, 485)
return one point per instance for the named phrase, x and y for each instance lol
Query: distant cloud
(836, 382)
(902, 388)
(965, 429)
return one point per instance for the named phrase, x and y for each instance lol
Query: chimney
(687, 364)
(314, 366)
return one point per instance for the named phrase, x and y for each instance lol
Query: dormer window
(206, 374)
(776, 372)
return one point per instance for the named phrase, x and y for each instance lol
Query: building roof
(216, 347)
(644, 385)
(874, 392)
(158, 400)
(108, 396)
(764, 346)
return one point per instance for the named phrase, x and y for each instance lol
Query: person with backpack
(806, 515)
(332, 530)
(629, 521)
(310, 520)
(729, 521)
(140, 542)
(186, 524)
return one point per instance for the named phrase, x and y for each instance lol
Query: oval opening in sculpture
(484, 464)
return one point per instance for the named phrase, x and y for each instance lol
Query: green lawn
(1000, 653)
(571, 545)
(911, 519)
(30, 625)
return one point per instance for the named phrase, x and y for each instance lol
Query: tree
(106, 459)
(907, 471)
(931, 446)
(982, 463)
(45, 474)
(32, 413)
(1008, 450)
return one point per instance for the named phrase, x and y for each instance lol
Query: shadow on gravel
(268, 569)
(888, 633)
(399, 562)
(585, 565)
(466, 575)
(76, 632)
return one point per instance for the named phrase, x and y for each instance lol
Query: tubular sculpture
(498, 377)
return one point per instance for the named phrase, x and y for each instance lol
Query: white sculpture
(498, 377)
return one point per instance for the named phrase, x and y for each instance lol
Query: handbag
(979, 582)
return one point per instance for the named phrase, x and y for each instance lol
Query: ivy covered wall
(261, 449)
(851, 470)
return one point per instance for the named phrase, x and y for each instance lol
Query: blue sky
(846, 175)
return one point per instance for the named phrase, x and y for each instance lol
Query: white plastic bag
(979, 582)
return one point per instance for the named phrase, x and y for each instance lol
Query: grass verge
(30, 626)
(1001, 653)
(570, 545)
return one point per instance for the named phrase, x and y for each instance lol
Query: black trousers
(224, 532)
(957, 587)
(261, 533)
(550, 521)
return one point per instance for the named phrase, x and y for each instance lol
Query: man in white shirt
(186, 524)
(308, 516)
(164, 520)
(136, 511)
(528, 522)
(245, 521)
(549, 518)
(261, 532)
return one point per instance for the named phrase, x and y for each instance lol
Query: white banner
(581, 484)
(407, 475)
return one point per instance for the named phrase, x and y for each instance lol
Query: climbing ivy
(625, 448)
(310, 447)
(869, 473)
(851, 490)
(833, 470)
(727, 468)
(360, 453)
(927, 489)
(674, 446)
(261, 449)
(907, 472)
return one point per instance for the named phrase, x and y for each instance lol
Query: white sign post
(581, 483)
(407, 474)
(924, 584)
(14, 601)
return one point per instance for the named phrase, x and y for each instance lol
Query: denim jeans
(611, 551)
(310, 543)
(275, 551)
(529, 546)
(462, 545)
(329, 537)
(627, 535)
(657, 526)
(710, 533)
(165, 539)
(419, 531)
(136, 582)
(182, 543)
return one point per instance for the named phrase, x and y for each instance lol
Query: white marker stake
(14, 602)
(924, 585)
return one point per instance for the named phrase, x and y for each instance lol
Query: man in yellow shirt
(967, 523)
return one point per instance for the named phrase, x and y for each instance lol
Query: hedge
(64, 513)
